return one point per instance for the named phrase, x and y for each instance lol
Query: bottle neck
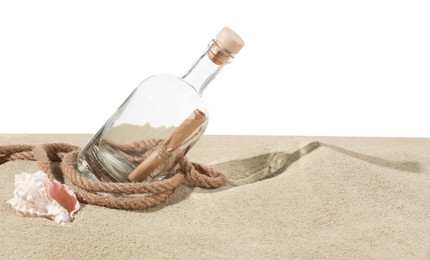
(205, 69)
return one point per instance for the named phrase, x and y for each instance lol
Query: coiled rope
(126, 195)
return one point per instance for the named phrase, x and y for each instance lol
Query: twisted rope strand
(144, 194)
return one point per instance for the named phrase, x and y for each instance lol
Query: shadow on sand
(269, 165)
(261, 167)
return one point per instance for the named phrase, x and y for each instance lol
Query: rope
(123, 195)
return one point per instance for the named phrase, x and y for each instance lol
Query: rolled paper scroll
(162, 153)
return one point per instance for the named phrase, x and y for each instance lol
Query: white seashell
(36, 195)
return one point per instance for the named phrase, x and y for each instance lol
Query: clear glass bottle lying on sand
(159, 122)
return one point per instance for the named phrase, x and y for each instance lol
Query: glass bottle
(159, 122)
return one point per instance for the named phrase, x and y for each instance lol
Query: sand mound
(288, 197)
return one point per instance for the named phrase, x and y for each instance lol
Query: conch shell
(36, 195)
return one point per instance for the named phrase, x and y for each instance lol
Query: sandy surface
(288, 197)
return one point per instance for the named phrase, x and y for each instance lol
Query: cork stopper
(226, 44)
(229, 40)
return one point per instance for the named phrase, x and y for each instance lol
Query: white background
(354, 68)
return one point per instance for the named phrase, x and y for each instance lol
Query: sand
(288, 198)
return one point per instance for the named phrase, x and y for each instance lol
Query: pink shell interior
(64, 196)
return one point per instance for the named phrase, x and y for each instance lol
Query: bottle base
(106, 163)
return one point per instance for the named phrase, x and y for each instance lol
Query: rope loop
(122, 195)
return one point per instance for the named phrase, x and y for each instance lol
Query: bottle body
(150, 115)
(158, 123)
